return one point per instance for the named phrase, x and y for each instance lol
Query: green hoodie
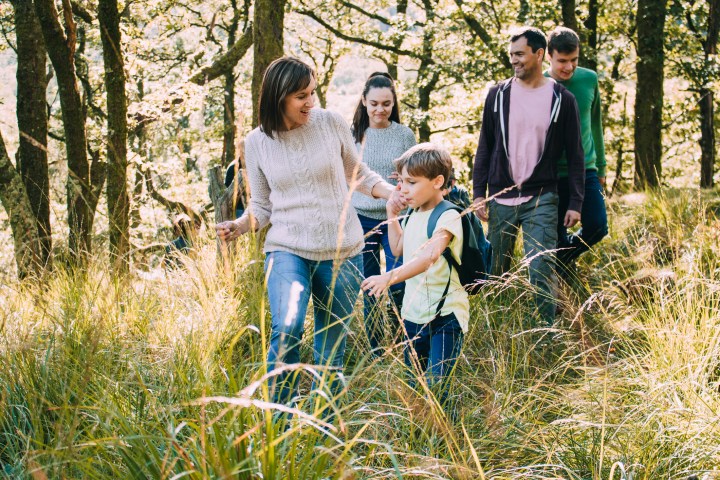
(584, 86)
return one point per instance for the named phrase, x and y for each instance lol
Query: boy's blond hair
(426, 160)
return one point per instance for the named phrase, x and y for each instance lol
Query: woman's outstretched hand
(229, 230)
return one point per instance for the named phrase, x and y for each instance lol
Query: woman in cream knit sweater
(303, 166)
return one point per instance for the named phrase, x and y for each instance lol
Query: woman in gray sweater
(381, 139)
(302, 166)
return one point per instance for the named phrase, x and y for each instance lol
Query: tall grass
(161, 376)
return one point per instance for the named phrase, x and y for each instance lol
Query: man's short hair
(563, 40)
(426, 160)
(534, 37)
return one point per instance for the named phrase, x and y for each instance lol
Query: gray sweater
(380, 147)
(299, 185)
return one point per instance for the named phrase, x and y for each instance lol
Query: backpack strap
(409, 212)
(439, 209)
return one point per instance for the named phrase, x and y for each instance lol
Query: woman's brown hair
(283, 77)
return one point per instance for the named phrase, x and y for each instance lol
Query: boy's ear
(439, 182)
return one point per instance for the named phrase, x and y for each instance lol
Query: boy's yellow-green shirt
(424, 291)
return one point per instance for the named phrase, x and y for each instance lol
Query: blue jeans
(437, 345)
(593, 219)
(334, 289)
(376, 238)
(538, 220)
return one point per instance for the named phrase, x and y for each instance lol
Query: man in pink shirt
(529, 121)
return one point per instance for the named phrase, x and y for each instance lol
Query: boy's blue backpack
(476, 250)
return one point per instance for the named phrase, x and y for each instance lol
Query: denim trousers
(437, 345)
(593, 219)
(538, 220)
(334, 287)
(377, 239)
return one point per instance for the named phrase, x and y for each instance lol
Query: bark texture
(60, 44)
(117, 194)
(32, 115)
(707, 102)
(649, 95)
(22, 220)
(268, 27)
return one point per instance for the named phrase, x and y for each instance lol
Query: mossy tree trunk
(707, 101)
(60, 43)
(22, 219)
(649, 94)
(117, 164)
(268, 28)
(32, 115)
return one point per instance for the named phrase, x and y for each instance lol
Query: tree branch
(479, 31)
(374, 16)
(227, 61)
(362, 41)
(81, 12)
(70, 27)
(453, 127)
(171, 205)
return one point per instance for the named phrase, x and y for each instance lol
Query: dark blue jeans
(334, 289)
(593, 219)
(437, 345)
(376, 239)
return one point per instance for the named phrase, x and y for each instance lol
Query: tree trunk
(223, 200)
(117, 194)
(427, 85)
(229, 119)
(649, 93)
(61, 49)
(229, 95)
(22, 220)
(140, 152)
(569, 18)
(32, 118)
(427, 77)
(392, 66)
(592, 35)
(268, 28)
(707, 138)
(707, 97)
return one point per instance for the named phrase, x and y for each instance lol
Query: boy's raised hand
(396, 203)
(376, 285)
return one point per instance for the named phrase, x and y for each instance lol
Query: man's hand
(602, 181)
(571, 218)
(480, 208)
(376, 285)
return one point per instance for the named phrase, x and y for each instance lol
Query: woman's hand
(230, 230)
(376, 285)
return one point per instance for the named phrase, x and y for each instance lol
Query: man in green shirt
(564, 51)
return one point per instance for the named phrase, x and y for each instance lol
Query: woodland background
(113, 116)
(110, 96)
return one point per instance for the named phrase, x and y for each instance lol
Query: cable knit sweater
(380, 147)
(300, 184)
